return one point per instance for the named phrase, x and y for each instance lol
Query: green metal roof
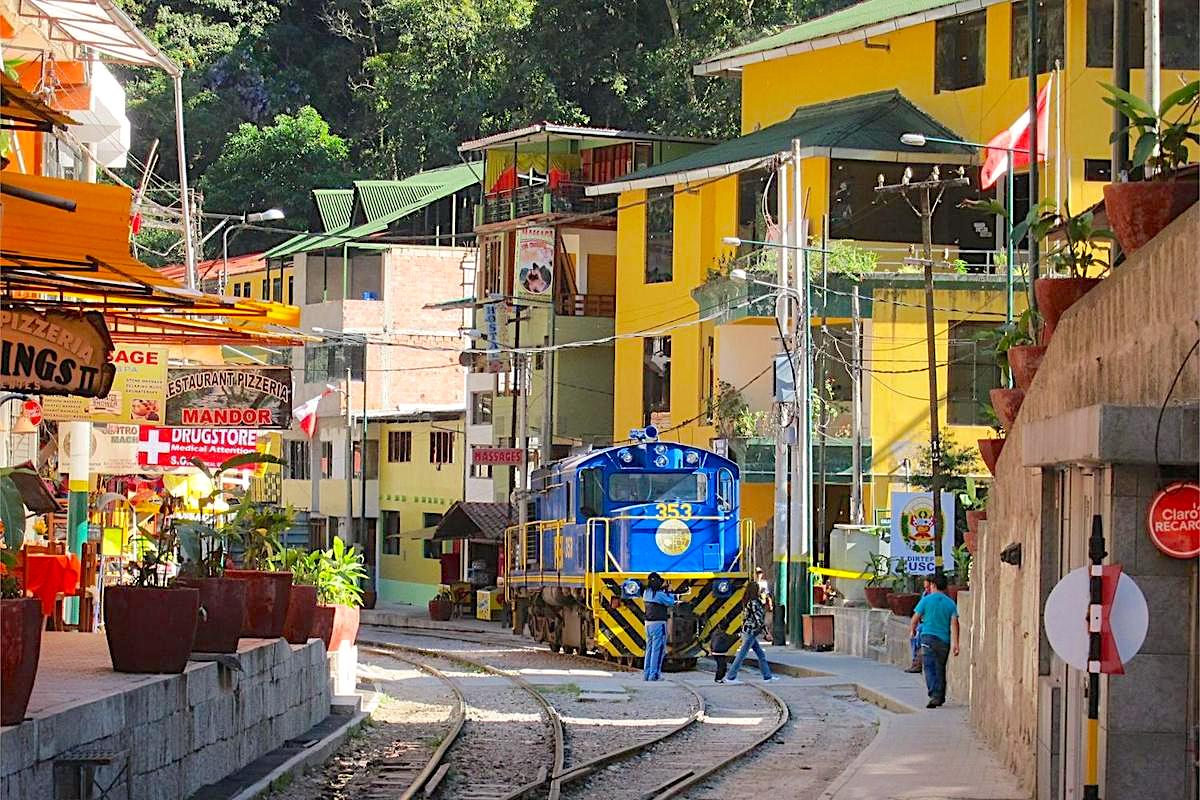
(333, 207)
(872, 122)
(883, 16)
(378, 204)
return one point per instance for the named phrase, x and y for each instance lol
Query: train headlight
(723, 587)
(660, 448)
(631, 588)
(660, 461)
(692, 457)
(625, 456)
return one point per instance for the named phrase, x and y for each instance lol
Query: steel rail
(457, 720)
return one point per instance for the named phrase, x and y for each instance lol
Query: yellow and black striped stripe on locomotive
(621, 622)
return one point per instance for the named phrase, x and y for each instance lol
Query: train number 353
(673, 510)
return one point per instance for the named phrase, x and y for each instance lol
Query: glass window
(399, 447)
(291, 288)
(972, 373)
(1049, 41)
(591, 493)
(660, 234)
(372, 459)
(658, 487)
(391, 533)
(481, 408)
(961, 51)
(1179, 31)
(441, 447)
(299, 460)
(326, 459)
(656, 377)
(328, 362)
(481, 471)
(757, 197)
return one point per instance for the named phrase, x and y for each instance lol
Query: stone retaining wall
(179, 732)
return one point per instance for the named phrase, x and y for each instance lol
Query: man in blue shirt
(937, 616)
(657, 600)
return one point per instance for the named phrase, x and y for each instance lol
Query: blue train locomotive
(601, 522)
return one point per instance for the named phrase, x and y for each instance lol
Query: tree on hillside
(275, 166)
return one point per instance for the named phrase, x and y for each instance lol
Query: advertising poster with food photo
(535, 262)
(229, 397)
(915, 534)
(137, 397)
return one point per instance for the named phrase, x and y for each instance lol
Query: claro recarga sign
(55, 353)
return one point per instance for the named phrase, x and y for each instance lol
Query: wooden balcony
(586, 305)
(539, 199)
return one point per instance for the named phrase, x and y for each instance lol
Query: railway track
(725, 725)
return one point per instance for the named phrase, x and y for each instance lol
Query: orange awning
(81, 259)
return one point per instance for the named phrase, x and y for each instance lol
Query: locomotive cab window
(591, 493)
(633, 487)
(724, 490)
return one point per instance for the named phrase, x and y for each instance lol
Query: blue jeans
(915, 643)
(656, 649)
(936, 652)
(749, 642)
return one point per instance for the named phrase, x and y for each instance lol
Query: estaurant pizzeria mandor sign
(55, 353)
(229, 397)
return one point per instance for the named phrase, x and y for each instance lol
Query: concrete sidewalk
(918, 753)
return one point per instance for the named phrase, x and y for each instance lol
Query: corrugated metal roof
(869, 18)
(333, 207)
(378, 204)
(869, 122)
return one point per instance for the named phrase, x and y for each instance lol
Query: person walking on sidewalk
(754, 623)
(914, 643)
(937, 616)
(657, 600)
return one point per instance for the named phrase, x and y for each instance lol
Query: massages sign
(229, 397)
(55, 353)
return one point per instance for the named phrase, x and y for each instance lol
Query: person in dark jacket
(718, 647)
(754, 623)
(657, 600)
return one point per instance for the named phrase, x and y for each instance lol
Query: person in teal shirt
(937, 617)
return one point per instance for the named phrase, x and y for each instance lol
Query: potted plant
(879, 584)
(901, 601)
(990, 449)
(268, 591)
(338, 594)
(976, 510)
(1139, 210)
(149, 625)
(302, 601)
(963, 559)
(21, 623)
(441, 607)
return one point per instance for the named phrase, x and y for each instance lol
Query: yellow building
(847, 86)
(420, 477)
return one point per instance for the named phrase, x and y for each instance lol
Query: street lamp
(360, 338)
(920, 140)
(247, 220)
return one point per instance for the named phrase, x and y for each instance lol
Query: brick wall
(1121, 344)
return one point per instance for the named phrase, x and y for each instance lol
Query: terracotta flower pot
(20, 648)
(440, 610)
(224, 603)
(971, 540)
(818, 595)
(335, 626)
(267, 597)
(302, 608)
(973, 519)
(902, 604)
(1138, 211)
(1024, 361)
(877, 596)
(150, 629)
(952, 591)
(1006, 403)
(1055, 296)
(989, 450)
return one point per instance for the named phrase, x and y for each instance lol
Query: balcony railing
(528, 201)
(756, 459)
(586, 305)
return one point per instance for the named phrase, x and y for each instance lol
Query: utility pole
(927, 205)
(1033, 149)
(349, 536)
(856, 485)
(781, 524)
(800, 516)
(821, 543)
(1153, 54)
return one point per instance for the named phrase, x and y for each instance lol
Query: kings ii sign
(55, 353)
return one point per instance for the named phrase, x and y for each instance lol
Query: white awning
(101, 26)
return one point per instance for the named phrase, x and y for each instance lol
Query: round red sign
(32, 410)
(1174, 520)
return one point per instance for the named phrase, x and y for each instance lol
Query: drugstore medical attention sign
(177, 447)
(1174, 520)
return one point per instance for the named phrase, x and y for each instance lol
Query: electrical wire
(1163, 408)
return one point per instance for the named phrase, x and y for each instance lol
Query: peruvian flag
(1017, 137)
(306, 413)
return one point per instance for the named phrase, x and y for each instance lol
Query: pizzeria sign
(229, 397)
(55, 353)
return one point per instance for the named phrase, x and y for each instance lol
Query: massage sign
(55, 353)
(229, 397)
